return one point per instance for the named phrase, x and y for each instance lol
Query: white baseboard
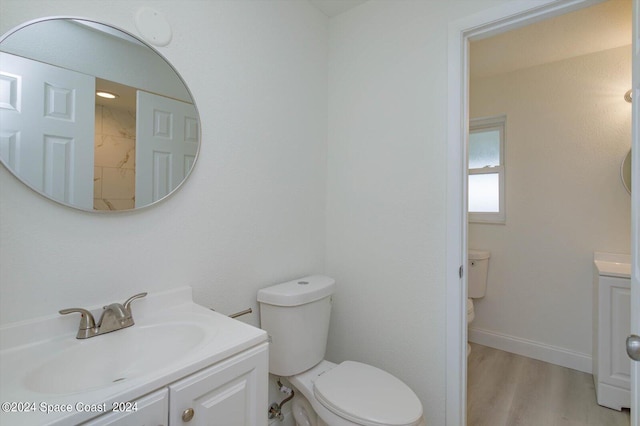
(531, 349)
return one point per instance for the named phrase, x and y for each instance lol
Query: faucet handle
(87, 322)
(127, 303)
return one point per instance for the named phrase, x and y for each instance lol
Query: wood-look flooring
(504, 389)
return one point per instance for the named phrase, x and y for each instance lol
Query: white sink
(82, 365)
(612, 265)
(42, 362)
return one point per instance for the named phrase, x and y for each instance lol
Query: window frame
(497, 122)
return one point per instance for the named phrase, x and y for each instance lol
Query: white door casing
(166, 145)
(635, 211)
(47, 137)
(504, 17)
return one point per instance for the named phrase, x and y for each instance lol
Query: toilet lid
(367, 395)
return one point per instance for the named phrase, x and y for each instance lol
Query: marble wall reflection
(115, 153)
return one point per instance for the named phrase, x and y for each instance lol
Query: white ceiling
(335, 7)
(600, 27)
(126, 95)
(603, 26)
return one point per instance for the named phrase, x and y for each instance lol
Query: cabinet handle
(187, 414)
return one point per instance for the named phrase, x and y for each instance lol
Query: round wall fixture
(153, 26)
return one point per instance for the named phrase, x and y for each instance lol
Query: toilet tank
(296, 316)
(478, 271)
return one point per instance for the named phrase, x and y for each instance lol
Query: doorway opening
(462, 33)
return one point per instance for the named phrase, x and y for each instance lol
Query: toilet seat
(367, 396)
(471, 313)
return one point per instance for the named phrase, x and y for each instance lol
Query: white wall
(386, 189)
(93, 54)
(252, 212)
(568, 129)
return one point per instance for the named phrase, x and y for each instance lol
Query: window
(486, 170)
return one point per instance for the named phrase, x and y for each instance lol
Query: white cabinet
(612, 323)
(232, 392)
(179, 355)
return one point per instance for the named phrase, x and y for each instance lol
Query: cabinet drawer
(150, 410)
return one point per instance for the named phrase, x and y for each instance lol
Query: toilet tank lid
(479, 254)
(298, 292)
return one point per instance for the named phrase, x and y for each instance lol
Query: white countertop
(612, 265)
(29, 345)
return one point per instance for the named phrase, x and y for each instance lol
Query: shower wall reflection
(115, 153)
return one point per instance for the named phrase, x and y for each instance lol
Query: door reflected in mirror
(89, 152)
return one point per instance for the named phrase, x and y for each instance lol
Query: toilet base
(303, 414)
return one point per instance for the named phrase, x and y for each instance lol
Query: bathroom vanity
(179, 363)
(611, 326)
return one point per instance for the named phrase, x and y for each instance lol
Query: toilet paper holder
(238, 314)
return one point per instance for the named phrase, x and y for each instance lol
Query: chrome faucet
(114, 317)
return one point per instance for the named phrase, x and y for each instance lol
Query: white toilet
(477, 281)
(296, 316)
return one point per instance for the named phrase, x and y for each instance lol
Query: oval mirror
(625, 172)
(124, 151)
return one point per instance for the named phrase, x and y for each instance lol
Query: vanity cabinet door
(151, 410)
(230, 393)
(613, 366)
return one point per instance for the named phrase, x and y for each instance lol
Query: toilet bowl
(296, 315)
(471, 314)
